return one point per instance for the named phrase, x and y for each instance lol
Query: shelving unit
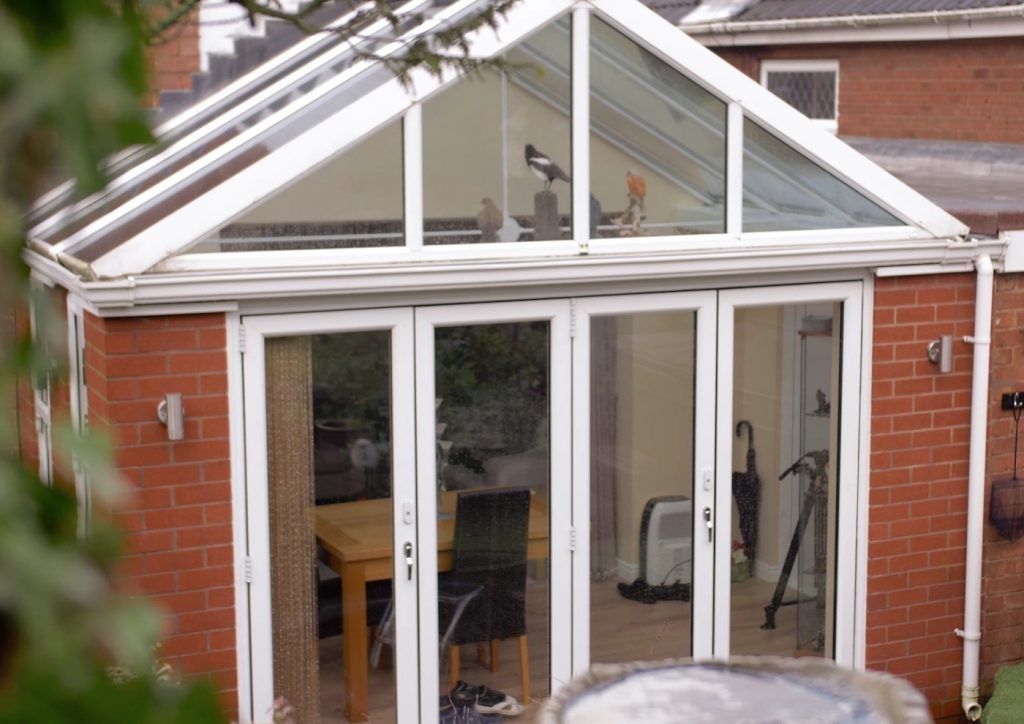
(815, 432)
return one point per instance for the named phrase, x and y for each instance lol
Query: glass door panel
(783, 473)
(494, 406)
(644, 405)
(324, 517)
(641, 485)
(493, 411)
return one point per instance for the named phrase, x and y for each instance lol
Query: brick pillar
(177, 521)
(920, 427)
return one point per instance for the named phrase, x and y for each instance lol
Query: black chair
(488, 554)
(482, 599)
(328, 598)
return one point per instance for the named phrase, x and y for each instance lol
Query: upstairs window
(810, 86)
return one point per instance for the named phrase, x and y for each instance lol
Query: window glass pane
(783, 190)
(496, 149)
(354, 200)
(657, 144)
(813, 93)
(641, 485)
(784, 485)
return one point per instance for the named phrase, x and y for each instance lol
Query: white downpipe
(971, 632)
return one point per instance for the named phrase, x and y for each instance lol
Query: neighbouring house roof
(787, 9)
(979, 183)
(766, 22)
(276, 126)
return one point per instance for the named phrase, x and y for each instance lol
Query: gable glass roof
(320, 152)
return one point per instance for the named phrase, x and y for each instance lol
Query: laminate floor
(621, 630)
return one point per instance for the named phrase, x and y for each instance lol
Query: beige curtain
(603, 446)
(292, 545)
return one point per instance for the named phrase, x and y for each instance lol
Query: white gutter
(184, 286)
(846, 21)
(971, 632)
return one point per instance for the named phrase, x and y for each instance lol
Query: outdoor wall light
(940, 352)
(171, 413)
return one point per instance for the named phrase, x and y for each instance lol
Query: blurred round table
(749, 689)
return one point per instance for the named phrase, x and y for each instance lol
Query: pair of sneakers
(484, 700)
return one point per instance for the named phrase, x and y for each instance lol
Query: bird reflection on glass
(543, 167)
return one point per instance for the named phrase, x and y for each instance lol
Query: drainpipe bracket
(968, 635)
(977, 340)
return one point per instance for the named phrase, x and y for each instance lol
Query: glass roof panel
(657, 143)
(321, 49)
(783, 190)
(147, 193)
(497, 149)
(352, 201)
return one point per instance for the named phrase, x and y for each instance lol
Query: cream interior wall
(654, 417)
(364, 183)
(463, 136)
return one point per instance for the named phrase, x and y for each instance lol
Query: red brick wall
(1002, 640)
(178, 520)
(174, 58)
(920, 428)
(964, 90)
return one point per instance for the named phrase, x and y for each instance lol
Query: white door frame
(702, 590)
(257, 329)
(557, 313)
(848, 462)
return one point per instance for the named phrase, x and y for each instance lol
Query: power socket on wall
(1013, 400)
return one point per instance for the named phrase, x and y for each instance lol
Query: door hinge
(572, 538)
(572, 319)
(248, 569)
(241, 338)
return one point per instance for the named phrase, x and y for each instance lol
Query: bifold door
(383, 447)
(504, 494)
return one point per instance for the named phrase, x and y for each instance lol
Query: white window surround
(807, 66)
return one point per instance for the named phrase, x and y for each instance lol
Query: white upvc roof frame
(732, 85)
(159, 247)
(189, 141)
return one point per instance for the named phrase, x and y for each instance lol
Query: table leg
(355, 663)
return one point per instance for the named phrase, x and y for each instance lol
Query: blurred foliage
(72, 73)
(72, 77)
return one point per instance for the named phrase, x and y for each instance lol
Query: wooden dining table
(356, 539)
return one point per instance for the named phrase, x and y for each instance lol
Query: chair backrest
(489, 551)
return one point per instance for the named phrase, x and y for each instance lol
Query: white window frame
(807, 66)
(42, 395)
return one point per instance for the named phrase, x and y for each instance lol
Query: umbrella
(746, 488)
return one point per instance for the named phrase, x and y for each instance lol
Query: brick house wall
(177, 521)
(920, 431)
(1002, 640)
(173, 59)
(959, 90)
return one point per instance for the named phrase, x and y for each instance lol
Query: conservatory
(512, 356)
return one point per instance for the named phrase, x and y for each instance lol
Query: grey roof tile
(672, 10)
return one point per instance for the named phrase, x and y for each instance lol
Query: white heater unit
(666, 540)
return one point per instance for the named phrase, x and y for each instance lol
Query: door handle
(708, 523)
(408, 558)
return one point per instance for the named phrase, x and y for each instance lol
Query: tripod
(815, 501)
